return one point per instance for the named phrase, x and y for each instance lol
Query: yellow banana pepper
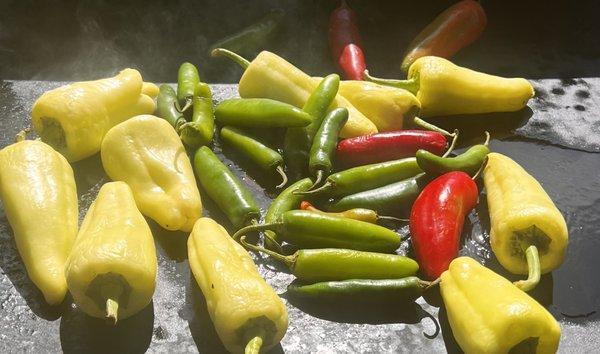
(271, 76)
(40, 199)
(74, 118)
(245, 310)
(525, 223)
(112, 269)
(444, 88)
(488, 314)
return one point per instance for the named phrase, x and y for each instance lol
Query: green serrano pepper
(166, 107)
(324, 144)
(327, 264)
(201, 129)
(225, 189)
(265, 157)
(187, 82)
(286, 200)
(260, 112)
(297, 141)
(307, 229)
(469, 161)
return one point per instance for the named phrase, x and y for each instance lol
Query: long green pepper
(166, 107)
(187, 82)
(260, 112)
(201, 129)
(469, 161)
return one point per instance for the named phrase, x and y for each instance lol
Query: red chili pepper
(344, 41)
(452, 30)
(379, 147)
(437, 218)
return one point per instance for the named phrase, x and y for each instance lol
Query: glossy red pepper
(455, 28)
(379, 147)
(437, 218)
(344, 42)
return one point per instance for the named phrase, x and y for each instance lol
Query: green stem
(327, 185)
(533, 263)
(452, 144)
(256, 228)
(222, 52)
(188, 104)
(112, 311)
(428, 126)
(391, 218)
(255, 343)
(22, 135)
(487, 138)
(318, 180)
(481, 168)
(411, 85)
(284, 177)
(289, 261)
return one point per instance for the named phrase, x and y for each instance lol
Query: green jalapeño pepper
(306, 229)
(265, 157)
(225, 189)
(187, 81)
(201, 129)
(468, 162)
(166, 107)
(260, 112)
(320, 161)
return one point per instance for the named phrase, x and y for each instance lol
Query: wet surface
(552, 141)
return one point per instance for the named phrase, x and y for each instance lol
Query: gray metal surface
(176, 321)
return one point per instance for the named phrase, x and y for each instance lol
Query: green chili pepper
(187, 82)
(298, 141)
(260, 112)
(339, 264)
(469, 161)
(265, 157)
(286, 200)
(201, 129)
(166, 109)
(392, 199)
(307, 229)
(225, 189)
(324, 144)
(371, 290)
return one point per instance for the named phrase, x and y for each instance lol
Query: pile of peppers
(328, 226)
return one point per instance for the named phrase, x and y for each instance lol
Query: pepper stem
(487, 138)
(22, 135)
(411, 85)
(391, 218)
(533, 263)
(222, 52)
(255, 343)
(188, 104)
(327, 185)
(431, 284)
(287, 260)
(318, 180)
(452, 144)
(284, 177)
(112, 310)
(428, 126)
(255, 228)
(481, 168)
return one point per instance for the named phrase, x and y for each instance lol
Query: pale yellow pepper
(38, 190)
(74, 118)
(111, 272)
(488, 314)
(246, 311)
(147, 154)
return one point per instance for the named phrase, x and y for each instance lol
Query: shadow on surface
(174, 243)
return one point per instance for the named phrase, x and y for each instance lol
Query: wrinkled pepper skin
(271, 76)
(516, 202)
(38, 190)
(146, 153)
(238, 299)
(488, 314)
(73, 119)
(114, 255)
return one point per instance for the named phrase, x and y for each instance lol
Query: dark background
(71, 40)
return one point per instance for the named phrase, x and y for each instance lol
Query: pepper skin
(166, 107)
(188, 80)
(522, 215)
(146, 153)
(444, 88)
(488, 314)
(112, 269)
(344, 42)
(260, 112)
(320, 162)
(361, 214)
(73, 119)
(201, 129)
(437, 218)
(455, 28)
(468, 162)
(38, 190)
(240, 303)
(271, 76)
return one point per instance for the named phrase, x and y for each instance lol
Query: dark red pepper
(379, 147)
(437, 218)
(344, 42)
(457, 27)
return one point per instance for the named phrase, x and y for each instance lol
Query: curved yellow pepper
(40, 198)
(147, 154)
(241, 304)
(488, 314)
(521, 215)
(271, 76)
(112, 269)
(74, 118)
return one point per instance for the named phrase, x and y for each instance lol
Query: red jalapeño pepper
(437, 218)
(344, 42)
(455, 28)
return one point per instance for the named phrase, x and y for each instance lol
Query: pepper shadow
(88, 174)
(452, 346)
(174, 243)
(80, 333)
